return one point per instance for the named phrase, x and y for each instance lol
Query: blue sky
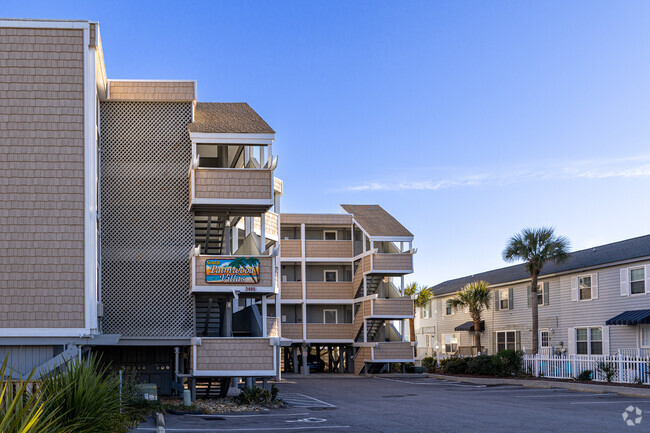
(466, 120)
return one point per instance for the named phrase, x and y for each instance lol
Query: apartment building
(598, 302)
(136, 222)
(342, 291)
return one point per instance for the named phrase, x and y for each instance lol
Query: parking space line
(622, 401)
(302, 400)
(442, 383)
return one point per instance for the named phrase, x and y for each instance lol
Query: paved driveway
(353, 404)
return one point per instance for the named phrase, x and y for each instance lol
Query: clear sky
(466, 120)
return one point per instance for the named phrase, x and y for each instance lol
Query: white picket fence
(626, 369)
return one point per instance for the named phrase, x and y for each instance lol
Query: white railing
(623, 369)
(635, 352)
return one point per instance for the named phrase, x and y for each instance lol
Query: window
(544, 338)
(645, 336)
(637, 281)
(589, 341)
(450, 343)
(584, 287)
(426, 310)
(506, 340)
(448, 308)
(329, 235)
(330, 316)
(540, 294)
(504, 299)
(331, 276)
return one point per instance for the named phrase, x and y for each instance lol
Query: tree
(422, 296)
(476, 297)
(536, 247)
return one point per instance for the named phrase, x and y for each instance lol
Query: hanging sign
(241, 270)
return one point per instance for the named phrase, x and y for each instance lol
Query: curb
(541, 384)
(400, 375)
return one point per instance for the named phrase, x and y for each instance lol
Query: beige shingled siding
(392, 307)
(392, 262)
(394, 350)
(364, 354)
(328, 249)
(363, 266)
(322, 290)
(292, 331)
(42, 180)
(324, 219)
(329, 331)
(291, 290)
(266, 271)
(150, 90)
(278, 186)
(233, 184)
(272, 326)
(234, 354)
(291, 247)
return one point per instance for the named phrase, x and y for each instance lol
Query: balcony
(291, 290)
(399, 308)
(323, 290)
(292, 331)
(239, 191)
(291, 248)
(397, 351)
(332, 332)
(228, 274)
(229, 357)
(399, 263)
(328, 249)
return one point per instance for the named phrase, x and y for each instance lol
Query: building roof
(228, 117)
(376, 221)
(600, 255)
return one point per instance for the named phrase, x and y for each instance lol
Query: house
(342, 289)
(597, 302)
(136, 221)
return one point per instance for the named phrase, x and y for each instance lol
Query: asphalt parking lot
(362, 404)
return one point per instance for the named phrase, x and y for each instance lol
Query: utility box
(148, 391)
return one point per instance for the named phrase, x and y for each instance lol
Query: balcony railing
(229, 357)
(228, 274)
(332, 290)
(393, 351)
(292, 331)
(330, 331)
(392, 263)
(291, 248)
(238, 188)
(328, 249)
(400, 308)
(291, 290)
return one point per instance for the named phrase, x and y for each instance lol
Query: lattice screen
(146, 229)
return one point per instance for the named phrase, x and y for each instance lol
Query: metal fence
(619, 367)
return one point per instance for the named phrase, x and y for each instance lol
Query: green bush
(585, 376)
(508, 362)
(608, 369)
(88, 399)
(430, 363)
(257, 395)
(454, 366)
(480, 365)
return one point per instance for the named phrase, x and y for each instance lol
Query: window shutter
(529, 293)
(497, 299)
(518, 340)
(646, 271)
(574, 289)
(572, 341)
(511, 299)
(494, 343)
(545, 293)
(625, 288)
(605, 340)
(594, 286)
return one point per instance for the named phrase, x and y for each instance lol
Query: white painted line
(611, 402)
(444, 383)
(309, 427)
(247, 416)
(553, 394)
(315, 399)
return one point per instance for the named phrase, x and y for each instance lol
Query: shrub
(454, 366)
(430, 363)
(608, 369)
(585, 376)
(508, 362)
(88, 398)
(22, 410)
(480, 365)
(257, 395)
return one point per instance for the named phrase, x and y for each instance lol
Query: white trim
(391, 238)
(389, 316)
(591, 287)
(496, 339)
(629, 279)
(336, 235)
(326, 341)
(232, 201)
(233, 373)
(329, 259)
(45, 332)
(46, 24)
(329, 301)
(230, 289)
(223, 138)
(336, 316)
(336, 275)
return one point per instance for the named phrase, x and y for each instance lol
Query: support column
(263, 232)
(235, 239)
(265, 331)
(305, 365)
(303, 279)
(294, 351)
(226, 239)
(365, 331)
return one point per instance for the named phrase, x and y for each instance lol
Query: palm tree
(536, 247)
(476, 297)
(422, 297)
(248, 263)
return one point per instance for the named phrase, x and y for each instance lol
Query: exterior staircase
(208, 233)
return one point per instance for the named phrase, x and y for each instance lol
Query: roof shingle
(375, 220)
(228, 117)
(600, 255)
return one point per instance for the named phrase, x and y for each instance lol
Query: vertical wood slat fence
(622, 368)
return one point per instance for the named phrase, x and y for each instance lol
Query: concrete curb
(399, 375)
(543, 384)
